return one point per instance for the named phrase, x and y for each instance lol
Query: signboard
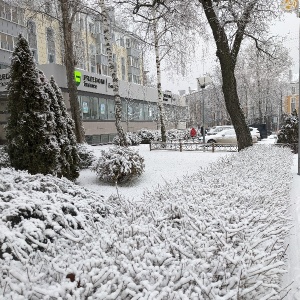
(4, 79)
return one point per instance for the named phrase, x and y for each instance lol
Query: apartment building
(291, 101)
(42, 29)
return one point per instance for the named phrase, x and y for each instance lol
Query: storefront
(95, 95)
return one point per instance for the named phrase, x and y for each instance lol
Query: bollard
(180, 145)
(213, 147)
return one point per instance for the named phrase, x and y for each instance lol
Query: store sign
(90, 81)
(4, 79)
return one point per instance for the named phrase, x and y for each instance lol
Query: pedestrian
(193, 133)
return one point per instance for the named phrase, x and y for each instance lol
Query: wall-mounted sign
(90, 81)
(4, 78)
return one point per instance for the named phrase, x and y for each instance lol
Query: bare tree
(231, 22)
(64, 12)
(113, 72)
(171, 36)
(68, 11)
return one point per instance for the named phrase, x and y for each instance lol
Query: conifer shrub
(119, 164)
(30, 132)
(40, 133)
(288, 133)
(86, 156)
(133, 139)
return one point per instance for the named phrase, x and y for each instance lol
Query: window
(127, 43)
(93, 58)
(103, 108)
(123, 68)
(6, 42)
(81, 23)
(122, 42)
(110, 109)
(293, 90)
(89, 108)
(50, 45)
(293, 104)
(104, 70)
(91, 28)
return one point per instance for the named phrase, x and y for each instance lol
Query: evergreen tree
(289, 131)
(31, 141)
(65, 132)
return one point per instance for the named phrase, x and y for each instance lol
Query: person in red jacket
(193, 133)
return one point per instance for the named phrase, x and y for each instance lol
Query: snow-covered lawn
(206, 232)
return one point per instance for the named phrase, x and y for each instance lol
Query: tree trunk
(159, 90)
(233, 106)
(70, 68)
(227, 58)
(118, 102)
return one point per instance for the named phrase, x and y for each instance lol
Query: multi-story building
(95, 94)
(291, 101)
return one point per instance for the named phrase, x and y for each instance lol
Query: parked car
(226, 136)
(255, 131)
(214, 130)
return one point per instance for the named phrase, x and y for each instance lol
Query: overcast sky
(288, 29)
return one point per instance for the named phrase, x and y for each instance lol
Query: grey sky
(288, 29)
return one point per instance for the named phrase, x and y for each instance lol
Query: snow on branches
(218, 234)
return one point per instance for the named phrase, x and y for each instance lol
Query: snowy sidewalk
(294, 240)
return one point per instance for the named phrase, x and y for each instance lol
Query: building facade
(291, 101)
(139, 102)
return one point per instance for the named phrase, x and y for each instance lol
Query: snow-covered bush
(147, 135)
(119, 164)
(4, 158)
(218, 234)
(86, 156)
(288, 133)
(176, 134)
(132, 139)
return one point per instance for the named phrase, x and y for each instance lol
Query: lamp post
(203, 81)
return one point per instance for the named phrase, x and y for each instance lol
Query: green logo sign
(77, 75)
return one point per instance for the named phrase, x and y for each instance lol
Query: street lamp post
(203, 81)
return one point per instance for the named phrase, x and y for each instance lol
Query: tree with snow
(31, 141)
(65, 133)
(289, 131)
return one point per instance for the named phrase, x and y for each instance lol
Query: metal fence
(192, 146)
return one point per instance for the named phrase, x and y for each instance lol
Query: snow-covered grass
(216, 234)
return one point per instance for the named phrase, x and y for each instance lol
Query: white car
(255, 131)
(226, 136)
(214, 130)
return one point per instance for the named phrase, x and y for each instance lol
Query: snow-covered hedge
(176, 134)
(86, 156)
(119, 164)
(218, 234)
(147, 135)
(133, 139)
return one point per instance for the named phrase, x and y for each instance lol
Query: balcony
(133, 52)
(102, 59)
(134, 71)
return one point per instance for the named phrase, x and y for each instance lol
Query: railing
(192, 146)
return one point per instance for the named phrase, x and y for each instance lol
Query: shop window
(110, 109)
(103, 108)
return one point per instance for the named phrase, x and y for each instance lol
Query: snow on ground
(294, 239)
(238, 210)
(170, 166)
(160, 168)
